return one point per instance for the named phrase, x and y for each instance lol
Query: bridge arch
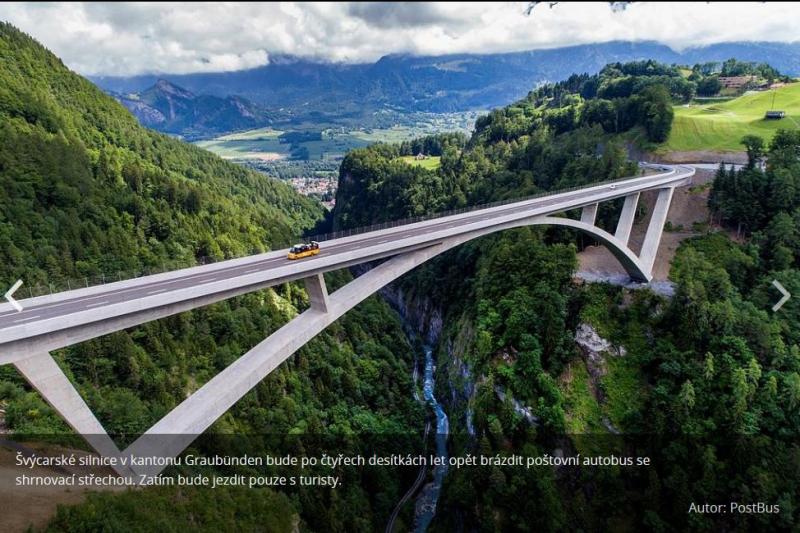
(629, 261)
(175, 432)
(171, 435)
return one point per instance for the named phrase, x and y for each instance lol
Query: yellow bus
(299, 251)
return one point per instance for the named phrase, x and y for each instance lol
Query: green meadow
(431, 163)
(720, 126)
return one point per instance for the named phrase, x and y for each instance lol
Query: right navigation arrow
(784, 299)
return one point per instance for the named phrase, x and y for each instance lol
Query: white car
(612, 186)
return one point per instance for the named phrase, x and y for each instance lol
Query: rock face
(420, 315)
(147, 115)
(519, 408)
(588, 339)
(596, 350)
(462, 387)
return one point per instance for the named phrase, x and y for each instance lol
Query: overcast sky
(134, 38)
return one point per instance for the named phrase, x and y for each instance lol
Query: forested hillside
(705, 383)
(762, 203)
(86, 190)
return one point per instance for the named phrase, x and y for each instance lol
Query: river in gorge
(428, 498)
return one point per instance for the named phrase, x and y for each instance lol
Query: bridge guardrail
(95, 279)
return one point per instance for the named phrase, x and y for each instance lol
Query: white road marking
(26, 318)
(98, 303)
(251, 271)
(156, 291)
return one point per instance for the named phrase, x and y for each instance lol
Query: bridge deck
(155, 296)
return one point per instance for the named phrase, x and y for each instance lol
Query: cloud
(393, 15)
(136, 38)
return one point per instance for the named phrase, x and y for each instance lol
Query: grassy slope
(623, 384)
(720, 126)
(583, 414)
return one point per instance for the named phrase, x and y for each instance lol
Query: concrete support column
(655, 229)
(317, 292)
(44, 374)
(625, 223)
(589, 214)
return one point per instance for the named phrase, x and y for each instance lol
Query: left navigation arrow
(11, 291)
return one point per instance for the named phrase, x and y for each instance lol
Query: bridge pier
(589, 214)
(317, 292)
(625, 224)
(656, 228)
(44, 375)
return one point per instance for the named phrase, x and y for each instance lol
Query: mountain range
(172, 109)
(304, 89)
